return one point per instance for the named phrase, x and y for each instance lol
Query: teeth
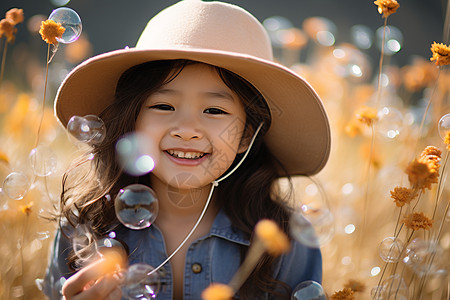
(188, 155)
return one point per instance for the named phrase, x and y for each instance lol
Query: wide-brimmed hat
(226, 36)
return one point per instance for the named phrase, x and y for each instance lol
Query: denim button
(196, 268)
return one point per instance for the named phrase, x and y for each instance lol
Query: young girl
(200, 86)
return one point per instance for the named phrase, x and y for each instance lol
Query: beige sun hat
(223, 35)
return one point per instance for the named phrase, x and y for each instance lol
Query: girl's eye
(215, 111)
(162, 107)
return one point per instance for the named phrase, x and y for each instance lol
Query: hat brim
(299, 135)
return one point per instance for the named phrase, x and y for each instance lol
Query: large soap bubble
(133, 154)
(71, 22)
(136, 206)
(141, 282)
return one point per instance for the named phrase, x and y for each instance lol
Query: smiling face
(195, 125)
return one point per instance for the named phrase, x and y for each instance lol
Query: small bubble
(138, 284)
(309, 290)
(390, 249)
(89, 129)
(136, 206)
(70, 20)
(43, 160)
(16, 185)
(444, 125)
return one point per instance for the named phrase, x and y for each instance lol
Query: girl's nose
(187, 128)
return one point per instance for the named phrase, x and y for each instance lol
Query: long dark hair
(246, 197)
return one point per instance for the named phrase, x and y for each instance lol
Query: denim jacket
(212, 258)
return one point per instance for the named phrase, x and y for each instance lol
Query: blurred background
(336, 46)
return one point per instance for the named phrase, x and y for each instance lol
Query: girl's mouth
(191, 155)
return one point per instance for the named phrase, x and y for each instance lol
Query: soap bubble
(274, 25)
(70, 20)
(425, 257)
(308, 290)
(132, 153)
(362, 36)
(138, 284)
(390, 122)
(312, 227)
(395, 288)
(136, 206)
(43, 160)
(89, 129)
(390, 249)
(393, 39)
(16, 185)
(444, 125)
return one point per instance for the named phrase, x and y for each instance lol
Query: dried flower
(50, 31)
(8, 30)
(217, 291)
(447, 140)
(431, 152)
(387, 7)
(345, 294)
(423, 172)
(275, 241)
(355, 285)
(15, 15)
(441, 54)
(26, 209)
(353, 128)
(366, 115)
(416, 221)
(402, 195)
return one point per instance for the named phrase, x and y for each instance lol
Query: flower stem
(43, 101)
(439, 192)
(3, 61)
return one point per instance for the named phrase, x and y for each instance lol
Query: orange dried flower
(366, 115)
(353, 128)
(50, 30)
(8, 30)
(441, 54)
(447, 140)
(345, 294)
(217, 291)
(416, 221)
(387, 7)
(423, 172)
(355, 285)
(15, 15)
(402, 195)
(26, 209)
(431, 152)
(275, 241)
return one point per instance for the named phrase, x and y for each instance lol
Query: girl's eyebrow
(216, 94)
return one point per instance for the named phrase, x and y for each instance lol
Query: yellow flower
(217, 291)
(441, 54)
(4, 157)
(353, 128)
(26, 209)
(387, 7)
(416, 221)
(402, 195)
(15, 15)
(275, 241)
(8, 30)
(345, 294)
(431, 152)
(366, 115)
(423, 171)
(50, 31)
(447, 140)
(355, 285)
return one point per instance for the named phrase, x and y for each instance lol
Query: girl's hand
(96, 281)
